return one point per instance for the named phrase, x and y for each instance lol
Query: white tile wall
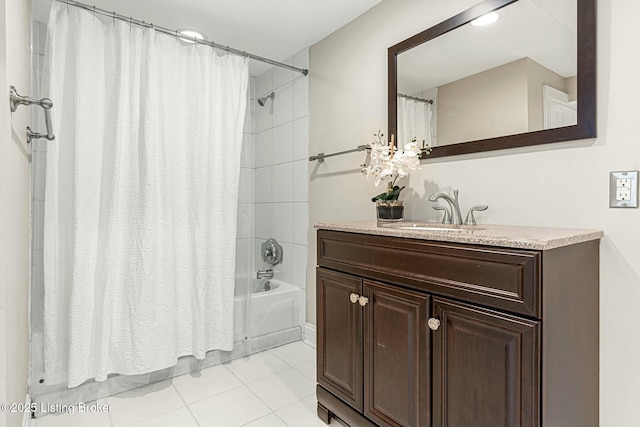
(300, 222)
(283, 104)
(283, 143)
(300, 184)
(264, 83)
(282, 174)
(264, 148)
(263, 220)
(281, 221)
(301, 138)
(281, 181)
(263, 184)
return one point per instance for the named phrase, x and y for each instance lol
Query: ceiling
(275, 29)
(543, 30)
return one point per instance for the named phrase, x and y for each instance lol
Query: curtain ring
(130, 19)
(114, 18)
(176, 36)
(94, 13)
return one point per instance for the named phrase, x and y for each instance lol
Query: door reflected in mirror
(520, 74)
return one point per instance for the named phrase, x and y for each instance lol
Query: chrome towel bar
(46, 104)
(321, 156)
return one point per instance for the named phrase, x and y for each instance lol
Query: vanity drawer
(503, 278)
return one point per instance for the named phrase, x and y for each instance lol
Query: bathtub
(274, 311)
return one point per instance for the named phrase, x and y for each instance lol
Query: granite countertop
(540, 238)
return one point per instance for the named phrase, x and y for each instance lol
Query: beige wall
(14, 208)
(486, 104)
(348, 103)
(504, 100)
(538, 76)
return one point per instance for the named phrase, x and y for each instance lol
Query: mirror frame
(586, 82)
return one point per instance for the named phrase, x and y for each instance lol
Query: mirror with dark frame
(526, 78)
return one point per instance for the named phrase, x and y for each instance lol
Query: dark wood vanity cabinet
(453, 335)
(374, 351)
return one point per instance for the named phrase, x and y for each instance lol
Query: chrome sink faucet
(452, 214)
(456, 216)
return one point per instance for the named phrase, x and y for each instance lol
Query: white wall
(14, 207)
(281, 152)
(564, 184)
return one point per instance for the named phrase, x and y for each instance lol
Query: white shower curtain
(141, 198)
(414, 121)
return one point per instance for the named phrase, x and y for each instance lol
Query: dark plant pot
(389, 210)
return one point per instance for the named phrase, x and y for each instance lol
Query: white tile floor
(275, 388)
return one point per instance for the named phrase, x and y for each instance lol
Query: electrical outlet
(623, 183)
(623, 189)
(623, 194)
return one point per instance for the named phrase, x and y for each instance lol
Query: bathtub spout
(265, 274)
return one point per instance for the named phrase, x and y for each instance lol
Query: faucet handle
(447, 214)
(470, 220)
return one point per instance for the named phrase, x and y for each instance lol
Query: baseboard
(310, 335)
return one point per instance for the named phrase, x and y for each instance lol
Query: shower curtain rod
(175, 33)
(428, 101)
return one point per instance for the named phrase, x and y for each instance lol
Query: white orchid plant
(389, 163)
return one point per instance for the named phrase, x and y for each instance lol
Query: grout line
(185, 404)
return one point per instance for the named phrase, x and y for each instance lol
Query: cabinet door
(486, 368)
(339, 333)
(396, 356)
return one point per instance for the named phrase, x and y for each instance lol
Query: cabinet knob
(433, 323)
(354, 298)
(363, 301)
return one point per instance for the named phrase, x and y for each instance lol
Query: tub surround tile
(301, 139)
(263, 184)
(263, 228)
(281, 184)
(299, 266)
(264, 83)
(300, 97)
(281, 221)
(282, 271)
(300, 180)
(264, 148)
(281, 75)
(283, 105)
(300, 223)
(263, 118)
(283, 143)
(540, 238)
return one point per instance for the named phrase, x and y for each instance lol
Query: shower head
(264, 99)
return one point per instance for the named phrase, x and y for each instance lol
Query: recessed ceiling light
(191, 35)
(486, 19)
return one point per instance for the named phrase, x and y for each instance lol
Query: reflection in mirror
(525, 77)
(514, 75)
